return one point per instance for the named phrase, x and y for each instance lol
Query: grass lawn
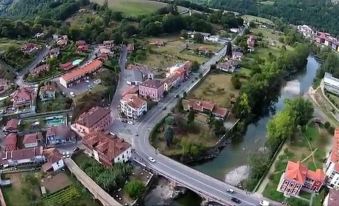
(216, 87)
(257, 19)
(309, 148)
(23, 190)
(133, 7)
(334, 99)
(59, 103)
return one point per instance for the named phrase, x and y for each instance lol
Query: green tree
(199, 38)
(169, 135)
(236, 81)
(195, 66)
(190, 117)
(135, 188)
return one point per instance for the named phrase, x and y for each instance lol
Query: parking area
(79, 88)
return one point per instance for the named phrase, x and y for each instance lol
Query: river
(231, 162)
(232, 159)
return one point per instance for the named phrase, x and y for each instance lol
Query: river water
(231, 162)
(233, 158)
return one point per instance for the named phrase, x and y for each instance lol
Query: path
(86, 181)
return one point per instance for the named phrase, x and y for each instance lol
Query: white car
(72, 94)
(151, 159)
(264, 203)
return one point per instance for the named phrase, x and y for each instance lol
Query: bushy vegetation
(110, 179)
(134, 188)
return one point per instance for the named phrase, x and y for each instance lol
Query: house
(297, 177)
(108, 44)
(54, 53)
(191, 34)
(95, 119)
(47, 92)
(22, 157)
(332, 163)
(204, 51)
(228, 66)
(186, 67)
(212, 38)
(173, 80)
(332, 198)
(58, 135)
(133, 77)
(54, 160)
(131, 90)
(82, 48)
(132, 106)
(75, 75)
(205, 107)
(234, 30)
(306, 31)
(106, 148)
(70, 64)
(152, 89)
(22, 97)
(4, 85)
(130, 48)
(11, 126)
(146, 72)
(62, 41)
(31, 140)
(236, 55)
(10, 142)
(321, 37)
(251, 42)
(29, 48)
(331, 84)
(80, 42)
(39, 70)
(39, 35)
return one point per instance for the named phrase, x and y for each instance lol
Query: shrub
(134, 189)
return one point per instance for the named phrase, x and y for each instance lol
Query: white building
(331, 83)
(133, 106)
(306, 31)
(332, 163)
(212, 38)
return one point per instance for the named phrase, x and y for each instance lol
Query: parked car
(236, 200)
(264, 203)
(230, 191)
(151, 159)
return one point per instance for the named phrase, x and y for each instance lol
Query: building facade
(331, 84)
(95, 119)
(133, 106)
(332, 163)
(152, 89)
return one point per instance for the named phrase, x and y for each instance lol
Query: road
(40, 56)
(139, 135)
(96, 190)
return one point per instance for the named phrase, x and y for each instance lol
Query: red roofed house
(152, 89)
(23, 97)
(107, 149)
(77, 74)
(67, 66)
(47, 92)
(11, 125)
(251, 42)
(61, 134)
(29, 48)
(133, 106)
(332, 163)
(204, 106)
(10, 142)
(297, 177)
(95, 119)
(130, 48)
(81, 45)
(54, 160)
(332, 199)
(27, 156)
(37, 71)
(31, 140)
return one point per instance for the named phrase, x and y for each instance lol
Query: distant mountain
(322, 14)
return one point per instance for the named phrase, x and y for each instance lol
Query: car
(236, 200)
(72, 94)
(164, 108)
(230, 191)
(264, 203)
(151, 159)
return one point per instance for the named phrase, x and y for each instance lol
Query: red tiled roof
(80, 42)
(12, 124)
(152, 83)
(61, 131)
(333, 197)
(317, 175)
(22, 94)
(10, 141)
(296, 171)
(109, 146)
(27, 153)
(67, 66)
(52, 155)
(86, 69)
(48, 87)
(40, 69)
(220, 111)
(30, 138)
(198, 105)
(131, 90)
(133, 101)
(94, 115)
(335, 150)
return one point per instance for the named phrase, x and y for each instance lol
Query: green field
(133, 7)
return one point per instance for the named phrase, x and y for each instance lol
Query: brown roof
(335, 150)
(198, 105)
(48, 87)
(27, 153)
(333, 197)
(10, 140)
(131, 90)
(133, 100)
(220, 111)
(61, 131)
(109, 146)
(52, 155)
(152, 83)
(38, 70)
(92, 116)
(86, 69)
(12, 124)
(23, 93)
(80, 42)
(31, 138)
(299, 172)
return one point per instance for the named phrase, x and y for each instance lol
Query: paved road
(86, 181)
(40, 56)
(139, 135)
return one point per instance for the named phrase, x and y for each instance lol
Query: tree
(169, 135)
(199, 38)
(219, 128)
(190, 117)
(236, 81)
(195, 66)
(303, 110)
(135, 188)
(229, 49)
